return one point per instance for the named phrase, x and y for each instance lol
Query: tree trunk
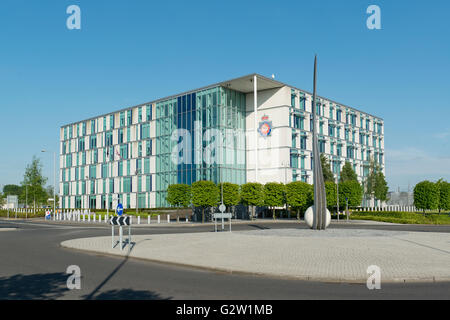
(203, 215)
(298, 214)
(273, 212)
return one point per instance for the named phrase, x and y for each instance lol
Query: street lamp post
(337, 196)
(26, 200)
(54, 180)
(137, 178)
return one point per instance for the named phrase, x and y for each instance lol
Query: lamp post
(26, 200)
(337, 195)
(88, 205)
(54, 180)
(137, 178)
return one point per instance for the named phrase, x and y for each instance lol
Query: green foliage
(381, 187)
(274, 194)
(299, 195)
(331, 192)
(444, 195)
(179, 195)
(231, 195)
(12, 189)
(205, 194)
(252, 194)
(326, 169)
(347, 173)
(376, 185)
(36, 181)
(352, 190)
(401, 217)
(426, 195)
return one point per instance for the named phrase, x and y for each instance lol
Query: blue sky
(130, 52)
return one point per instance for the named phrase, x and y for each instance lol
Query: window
(104, 171)
(339, 115)
(302, 103)
(149, 183)
(93, 126)
(127, 187)
(120, 136)
(81, 145)
(111, 121)
(322, 146)
(149, 112)
(129, 117)
(147, 166)
(120, 169)
(149, 148)
(146, 131)
(140, 114)
(293, 96)
(122, 119)
(93, 142)
(108, 139)
(303, 142)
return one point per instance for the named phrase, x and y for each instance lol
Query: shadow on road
(258, 227)
(127, 294)
(35, 286)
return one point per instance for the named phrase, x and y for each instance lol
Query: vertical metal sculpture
(320, 201)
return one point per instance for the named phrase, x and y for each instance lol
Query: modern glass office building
(247, 129)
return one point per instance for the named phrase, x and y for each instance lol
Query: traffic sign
(120, 221)
(222, 208)
(119, 209)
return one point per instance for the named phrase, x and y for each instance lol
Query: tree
(179, 195)
(274, 195)
(347, 173)
(376, 185)
(381, 187)
(2, 200)
(12, 189)
(252, 194)
(205, 194)
(231, 195)
(426, 195)
(352, 191)
(444, 195)
(36, 181)
(326, 169)
(331, 192)
(299, 196)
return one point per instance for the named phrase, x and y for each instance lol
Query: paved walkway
(331, 255)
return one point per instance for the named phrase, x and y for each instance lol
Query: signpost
(119, 209)
(120, 221)
(222, 216)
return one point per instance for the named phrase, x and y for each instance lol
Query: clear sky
(130, 52)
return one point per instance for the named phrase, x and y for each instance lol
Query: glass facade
(195, 115)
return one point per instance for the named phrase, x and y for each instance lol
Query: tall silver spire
(320, 201)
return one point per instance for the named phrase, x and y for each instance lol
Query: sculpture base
(309, 217)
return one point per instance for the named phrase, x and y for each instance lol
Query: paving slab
(336, 255)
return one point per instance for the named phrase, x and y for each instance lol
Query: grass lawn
(402, 217)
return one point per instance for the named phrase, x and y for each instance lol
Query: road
(33, 266)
